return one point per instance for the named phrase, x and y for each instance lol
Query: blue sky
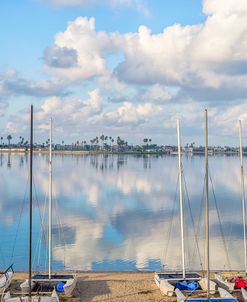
(123, 67)
(32, 24)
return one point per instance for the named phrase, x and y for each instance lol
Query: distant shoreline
(23, 150)
(79, 152)
(98, 152)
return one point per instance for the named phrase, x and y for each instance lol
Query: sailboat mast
(50, 205)
(206, 202)
(243, 193)
(30, 204)
(181, 197)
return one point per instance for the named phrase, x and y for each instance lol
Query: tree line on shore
(107, 143)
(103, 142)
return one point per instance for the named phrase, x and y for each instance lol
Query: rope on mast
(220, 223)
(193, 223)
(165, 251)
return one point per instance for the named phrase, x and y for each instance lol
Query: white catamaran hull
(167, 281)
(224, 283)
(5, 280)
(212, 285)
(224, 293)
(25, 286)
(8, 298)
(69, 281)
(165, 287)
(70, 285)
(180, 296)
(52, 298)
(244, 294)
(224, 297)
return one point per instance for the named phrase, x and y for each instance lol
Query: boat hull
(244, 294)
(223, 283)
(70, 281)
(204, 285)
(166, 281)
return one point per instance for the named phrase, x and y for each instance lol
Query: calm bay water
(120, 212)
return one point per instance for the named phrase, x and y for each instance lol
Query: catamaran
(168, 281)
(236, 282)
(7, 297)
(69, 280)
(225, 296)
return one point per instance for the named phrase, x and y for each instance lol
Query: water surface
(120, 212)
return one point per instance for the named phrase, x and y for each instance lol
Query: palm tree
(120, 142)
(106, 138)
(21, 140)
(112, 141)
(9, 138)
(1, 140)
(102, 138)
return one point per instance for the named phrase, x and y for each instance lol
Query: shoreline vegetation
(105, 144)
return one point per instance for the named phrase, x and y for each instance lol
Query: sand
(113, 286)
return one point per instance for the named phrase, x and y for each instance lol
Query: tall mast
(243, 193)
(50, 205)
(30, 203)
(206, 201)
(181, 198)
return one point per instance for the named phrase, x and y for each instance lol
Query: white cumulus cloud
(210, 55)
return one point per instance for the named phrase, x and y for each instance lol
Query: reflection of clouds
(113, 208)
(93, 194)
(229, 178)
(128, 183)
(85, 249)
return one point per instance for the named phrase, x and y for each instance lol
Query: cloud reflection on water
(116, 211)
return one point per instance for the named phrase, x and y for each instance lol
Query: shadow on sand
(87, 290)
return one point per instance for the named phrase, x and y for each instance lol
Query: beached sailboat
(168, 281)
(28, 284)
(236, 282)
(224, 295)
(67, 281)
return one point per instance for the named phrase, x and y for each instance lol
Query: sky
(125, 68)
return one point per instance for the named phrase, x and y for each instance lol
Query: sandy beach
(112, 286)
